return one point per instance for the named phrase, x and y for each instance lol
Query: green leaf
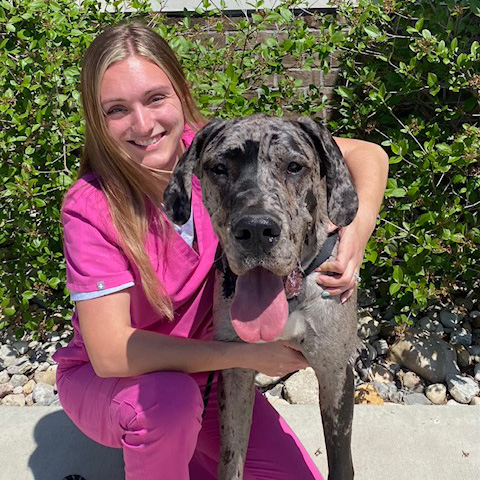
(372, 31)
(394, 288)
(432, 79)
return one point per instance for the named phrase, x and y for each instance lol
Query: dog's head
(270, 186)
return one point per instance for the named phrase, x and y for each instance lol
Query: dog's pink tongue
(259, 310)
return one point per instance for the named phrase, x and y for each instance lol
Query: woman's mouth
(148, 143)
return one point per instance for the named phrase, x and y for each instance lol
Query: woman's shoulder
(85, 196)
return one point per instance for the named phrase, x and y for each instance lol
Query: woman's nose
(142, 120)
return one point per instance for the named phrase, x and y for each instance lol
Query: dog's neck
(293, 282)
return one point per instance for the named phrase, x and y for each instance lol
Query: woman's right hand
(276, 359)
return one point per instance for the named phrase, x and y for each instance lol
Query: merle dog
(270, 186)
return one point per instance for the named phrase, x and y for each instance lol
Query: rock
(28, 387)
(368, 327)
(365, 298)
(461, 337)
(21, 366)
(39, 355)
(449, 319)
(43, 394)
(386, 390)
(367, 394)
(18, 380)
(48, 377)
(33, 345)
(398, 396)
(371, 352)
(53, 337)
(463, 356)
(42, 367)
(412, 381)
(277, 401)
(426, 355)
(428, 324)
(475, 401)
(276, 391)
(453, 402)
(4, 376)
(464, 302)
(462, 389)
(302, 387)
(20, 347)
(5, 389)
(8, 355)
(440, 331)
(382, 374)
(264, 381)
(55, 402)
(474, 350)
(416, 399)
(14, 400)
(475, 318)
(476, 372)
(437, 393)
(29, 400)
(381, 346)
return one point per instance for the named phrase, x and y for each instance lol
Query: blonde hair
(131, 189)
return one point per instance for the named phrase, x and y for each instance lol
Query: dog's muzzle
(256, 234)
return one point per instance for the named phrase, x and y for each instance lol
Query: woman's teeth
(145, 143)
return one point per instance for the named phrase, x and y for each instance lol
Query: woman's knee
(166, 400)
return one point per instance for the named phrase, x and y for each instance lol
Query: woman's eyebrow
(163, 88)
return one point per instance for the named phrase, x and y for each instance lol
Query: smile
(146, 143)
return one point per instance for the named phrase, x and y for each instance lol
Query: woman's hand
(346, 267)
(276, 359)
(368, 166)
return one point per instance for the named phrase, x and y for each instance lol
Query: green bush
(409, 79)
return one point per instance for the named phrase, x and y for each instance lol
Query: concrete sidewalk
(389, 442)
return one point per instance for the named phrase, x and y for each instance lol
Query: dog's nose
(257, 232)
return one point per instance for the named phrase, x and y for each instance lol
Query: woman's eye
(294, 167)
(157, 98)
(116, 109)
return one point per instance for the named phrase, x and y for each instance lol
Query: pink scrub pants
(156, 419)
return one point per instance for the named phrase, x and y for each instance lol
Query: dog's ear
(341, 195)
(178, 194)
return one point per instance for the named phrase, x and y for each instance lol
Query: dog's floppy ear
(341, 195)
(178, 194)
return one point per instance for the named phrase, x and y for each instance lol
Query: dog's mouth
(259, 310)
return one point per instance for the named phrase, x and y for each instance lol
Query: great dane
(270, 186)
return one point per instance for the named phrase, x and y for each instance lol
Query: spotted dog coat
(270, 186)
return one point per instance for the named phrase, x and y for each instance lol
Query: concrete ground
(389, 442)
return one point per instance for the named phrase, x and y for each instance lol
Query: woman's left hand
(352, 242)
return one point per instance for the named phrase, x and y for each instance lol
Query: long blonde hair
(130, 188)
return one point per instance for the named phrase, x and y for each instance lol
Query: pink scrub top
(96, 262)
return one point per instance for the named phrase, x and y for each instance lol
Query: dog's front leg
(336, 406)
(235, 405)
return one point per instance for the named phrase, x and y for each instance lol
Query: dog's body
(270, 186)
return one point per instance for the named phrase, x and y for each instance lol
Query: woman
(135, 372)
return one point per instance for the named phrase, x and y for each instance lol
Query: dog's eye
(218, 169)
(294, 167)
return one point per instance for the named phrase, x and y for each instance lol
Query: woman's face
(143, 112)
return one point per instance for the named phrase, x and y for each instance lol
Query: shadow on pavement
(62, 449)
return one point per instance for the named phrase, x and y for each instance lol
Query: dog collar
(293, 282)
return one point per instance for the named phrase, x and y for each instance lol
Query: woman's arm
(368, 165)
(116, 349)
